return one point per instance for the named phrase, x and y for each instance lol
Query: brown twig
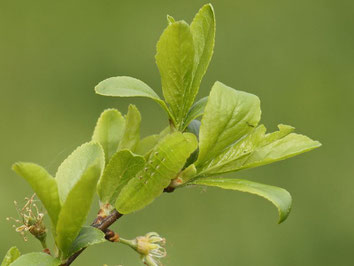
(103, 226)
(111, 236)
(169, 189)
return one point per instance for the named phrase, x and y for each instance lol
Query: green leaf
(258, 148)
(75, 208)
(187, 174)
(88, 236)
(163, 164)
(278, 196)
(109, 131)
(73, 168)
(283, 131)
(235, 155)
(125, 87)
(11, 255)
(43, 184)
(122, 167)
(289, 146)
(196, 111)
(203, 31)
(228, 116)
(175, 60)
(129, 87)
(36, 258)
(131, 134)
(170, 19)
(148, 143)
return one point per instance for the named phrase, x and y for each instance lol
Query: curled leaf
(278, 196)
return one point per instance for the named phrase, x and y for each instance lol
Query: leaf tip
(170, 19)
(15, 166)
(284, 214)
(133, 108)
(318, 144)
(210, 7)
(97, 89)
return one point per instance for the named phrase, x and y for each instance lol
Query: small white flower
(150, 247)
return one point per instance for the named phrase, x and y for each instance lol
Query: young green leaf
(175, 60)
(72, 169)
(278, 196)
(11, 255)
(148, 143)
(163, 164)
(228, 116)
(75, 208)
(283, 131)
(258, 148)
(186, 175)
(131, 134)
(121, 168)
(36, 258)
(289, 146)
(196, 110)
(170, 19)
(203, 31)
(125, 87)
(109, 131)
(88, 236)
(43, 184)
(235, 155)
(130, 87)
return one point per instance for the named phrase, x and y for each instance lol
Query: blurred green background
(297, 56)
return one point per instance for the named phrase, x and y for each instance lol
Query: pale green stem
(130, 243)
